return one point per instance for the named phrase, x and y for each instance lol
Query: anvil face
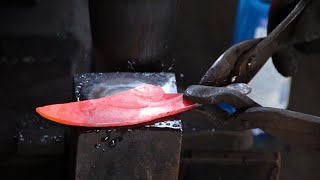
(138, 152)
(97, 85)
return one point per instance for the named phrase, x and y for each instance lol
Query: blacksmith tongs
(239, 64)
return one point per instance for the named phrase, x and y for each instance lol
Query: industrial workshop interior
(160, 89)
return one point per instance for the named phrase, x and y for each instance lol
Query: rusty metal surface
(138, 152)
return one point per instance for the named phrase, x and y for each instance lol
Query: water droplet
(112, 143)
(130, 66)
(168, 124)
(104, 139)
(44, 139)
(181, 75)
(176, 125)
(233, 78)
(133, 141)
(97, 130)
(93, 166)
(129, 130)
(109, 131)
(97, 145)
(160, 124)
(103, 150)
(58, 139)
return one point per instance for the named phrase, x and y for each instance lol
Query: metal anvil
(139, 152)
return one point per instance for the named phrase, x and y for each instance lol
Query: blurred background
(44, 43)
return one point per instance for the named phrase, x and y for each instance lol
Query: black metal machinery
(43, 44)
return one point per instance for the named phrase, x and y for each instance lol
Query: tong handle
(291, 126)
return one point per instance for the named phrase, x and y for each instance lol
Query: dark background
(204, 31)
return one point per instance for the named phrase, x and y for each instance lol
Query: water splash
(104, 139)
(112, 143)
(130, 66)
(97, 145)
